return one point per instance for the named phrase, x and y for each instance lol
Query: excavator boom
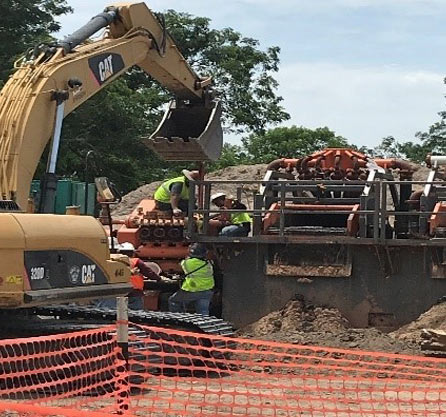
(58, 78)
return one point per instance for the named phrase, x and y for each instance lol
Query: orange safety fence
(67, 373)
(173, 373)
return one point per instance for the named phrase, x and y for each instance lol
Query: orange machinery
(333, 180)
(156, 235)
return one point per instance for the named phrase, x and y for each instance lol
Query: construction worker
(234, 224)
(198, 282)
(139, 271)
(174, 194)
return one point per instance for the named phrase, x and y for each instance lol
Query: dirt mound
(306, 324)
(420, 175)
(434, 318)
(240, 173)
(298, 315)
(364, 339)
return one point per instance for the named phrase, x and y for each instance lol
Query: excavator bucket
(189, 133)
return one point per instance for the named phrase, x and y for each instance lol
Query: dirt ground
(434, 318)
(302, 323)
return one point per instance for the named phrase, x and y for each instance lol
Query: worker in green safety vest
(234, 224)
(173, 195)
(198, 282)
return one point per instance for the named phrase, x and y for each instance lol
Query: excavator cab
(189, 132)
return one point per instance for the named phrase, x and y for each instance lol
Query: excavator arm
(58, 78)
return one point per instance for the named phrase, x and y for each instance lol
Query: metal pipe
(90, 152)
(395, 163)
(207, 199)
(201, 172)
(282, 208)
(51, 169)
(98, 22)
(435, 160)
(49, 183)
(191, 209)
(383, 211)
(377, 202)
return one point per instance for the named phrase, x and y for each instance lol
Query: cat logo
(104, 66)
(88, 276)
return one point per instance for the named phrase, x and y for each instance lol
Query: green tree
(434, 140)
(243, 74)
(231, 155)
(391, 148)
(290, 142)
(24, 24)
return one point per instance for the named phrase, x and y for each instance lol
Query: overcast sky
(364, 68)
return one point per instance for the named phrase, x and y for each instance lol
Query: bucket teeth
(189, 133)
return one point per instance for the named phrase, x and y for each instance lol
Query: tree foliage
(392, 148)
(242, 72)
(23, 24)
(290, 142)
(231, 155)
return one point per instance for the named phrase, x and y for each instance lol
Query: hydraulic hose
(98, 22)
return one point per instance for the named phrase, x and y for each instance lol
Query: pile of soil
(298, 315)
(240, 173)
(305, 324)
(434, 318)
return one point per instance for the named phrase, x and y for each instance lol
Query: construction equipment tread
(187, 321)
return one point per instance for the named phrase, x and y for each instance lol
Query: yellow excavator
(49, 258)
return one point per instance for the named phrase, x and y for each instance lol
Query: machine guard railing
(371, 205)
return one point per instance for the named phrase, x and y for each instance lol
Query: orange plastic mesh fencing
(172, 373)
(182, 374)
(67, 375)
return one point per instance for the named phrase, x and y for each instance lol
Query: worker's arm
(174, 201)
(175, 196)
(146, 271)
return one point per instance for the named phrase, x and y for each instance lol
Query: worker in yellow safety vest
(173, 195)
(233, 224)
(198, 282)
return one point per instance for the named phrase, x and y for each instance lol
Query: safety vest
(239, 218)
(162, 194)
(136, 278)
(200, 280)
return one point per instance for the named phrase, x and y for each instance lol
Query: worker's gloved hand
(167, 280)
(177, 212)
(176, 277)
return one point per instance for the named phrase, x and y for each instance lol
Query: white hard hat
(154, 267)
(217, 195)
(125, 247)
(191, 175)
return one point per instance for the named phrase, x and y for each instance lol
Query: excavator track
(74, 318)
